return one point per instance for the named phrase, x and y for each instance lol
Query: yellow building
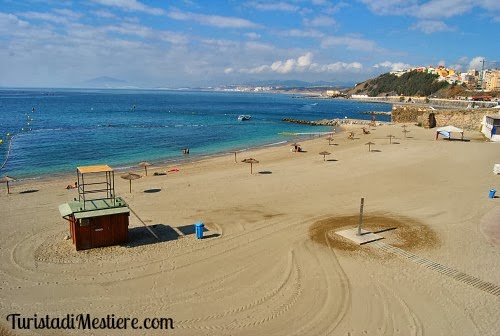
(492, 80)
(443, 72)
(332, 93)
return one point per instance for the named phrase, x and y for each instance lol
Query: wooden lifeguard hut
(97, 218)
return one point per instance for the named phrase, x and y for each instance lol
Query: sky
(172, 44)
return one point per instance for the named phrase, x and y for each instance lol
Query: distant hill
(105, 82)
(299, 84)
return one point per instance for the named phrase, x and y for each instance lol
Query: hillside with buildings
(437, 82)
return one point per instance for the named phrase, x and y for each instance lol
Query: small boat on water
(244, 117)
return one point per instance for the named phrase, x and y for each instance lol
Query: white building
(491, 127)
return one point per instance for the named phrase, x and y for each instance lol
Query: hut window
(84, 222)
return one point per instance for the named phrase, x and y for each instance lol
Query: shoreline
(162, 165)
(182, 159)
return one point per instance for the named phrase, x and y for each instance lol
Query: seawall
(469, 119)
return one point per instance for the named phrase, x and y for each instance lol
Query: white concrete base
(352, 235)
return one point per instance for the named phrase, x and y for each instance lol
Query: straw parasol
(130, 177)
(369, 145)
(324, 153)
(251, 161)
(330, 139)
(145, 164)
(390, 136)
(7, 179)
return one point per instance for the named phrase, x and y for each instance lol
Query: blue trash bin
(492, 193)
(199, 229)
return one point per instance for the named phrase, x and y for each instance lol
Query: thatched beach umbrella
(7, 179)
(369, 145)
(390, 136)
(130, 177)
(330, 139)
(251, 161)
(405, 131)
(324, 153)
(145, 164)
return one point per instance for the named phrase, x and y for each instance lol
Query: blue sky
(64, 43)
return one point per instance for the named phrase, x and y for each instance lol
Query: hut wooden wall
(100, 231)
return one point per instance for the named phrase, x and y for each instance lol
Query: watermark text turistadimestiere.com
(88, 322)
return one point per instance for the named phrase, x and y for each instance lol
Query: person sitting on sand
(69, 186)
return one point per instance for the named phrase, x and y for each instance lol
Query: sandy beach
(271, 262)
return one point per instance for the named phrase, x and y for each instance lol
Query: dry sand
(271, 263)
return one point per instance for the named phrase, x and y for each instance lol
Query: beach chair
(365, 131)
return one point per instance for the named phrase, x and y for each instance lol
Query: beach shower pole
(361, 216)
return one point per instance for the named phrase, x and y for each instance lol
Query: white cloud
(431, 26)
(212, 20)
(68, 13)
(302, 33)
(253, 35)
(351, 43)
(255, 46)
(390, 7)
(457, 67)
(104, 14)
(390, 66)
(131, 6)
(461, 64)
(305, 60)
(172, 37)
(49, 17)
(337, 67)
(320, 21)
(476, 63)
(444, 8)
(131, 29)
(273, 6)
(220, 43)
(283, 67)
(433, 9)
(303, 64)
(492, 5)
(8, 22)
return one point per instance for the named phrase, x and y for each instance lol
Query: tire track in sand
(291, 280)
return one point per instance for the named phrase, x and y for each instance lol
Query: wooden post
(147, 227)
(361, 216)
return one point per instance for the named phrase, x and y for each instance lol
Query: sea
(47, 133)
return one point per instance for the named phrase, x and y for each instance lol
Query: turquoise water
(70, 128)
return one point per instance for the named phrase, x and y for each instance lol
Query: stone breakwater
(332, 122)
(323, 122)
(377, 113)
